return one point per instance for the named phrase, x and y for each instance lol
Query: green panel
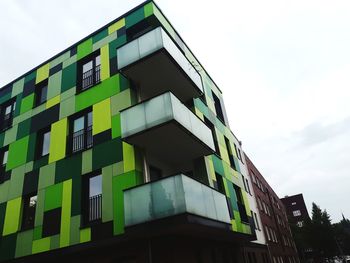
(2, 215)
(39, 210)
(104, 62)
(54, 85)
(107, 200)
(10, 135)
(41, 245)
(24, 242)
(102, 91)
(101, 116)
(31, 147)
(75, 230)
(219, 168)
(30, 77)
(53, 197)
(42, 73)
(58, 140)
(69, 77)
(66, 210)
(116, 126)
(84, 48)
(128, 157)
(23, 128)
(5, 98)
(17, 153)
(47, 175)
(121, 182)
(121, 101)
(17, 87)
(16, 182)
(148, 9)
(100, 35)
(4, 188)
(134, 17)
(85, 235)
(67, 107)
(115, 44)
(12, 216)
(86, 162)
(55, 242)
(37, 232)
(8, 247)
(60, 59)
(107, 153)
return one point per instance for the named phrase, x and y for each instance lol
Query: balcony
(173, 196)
(167, 129)
(155, 64)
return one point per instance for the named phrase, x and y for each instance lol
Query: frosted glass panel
(128, 53)
(150, 42)
(172, 196)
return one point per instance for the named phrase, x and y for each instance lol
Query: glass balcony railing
(166, 127)
(156, 64)
(172, 196)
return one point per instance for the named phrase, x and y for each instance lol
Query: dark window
(89, 72)
(256, 221)
(93, 198)
(220, 183)
(29, 206)
(230, 155)
(6, 115)
(41, 93)
(218, 108)
(43, 143)
(240, 204)
(240, 156)
(212, 128)
(81, 133)
(155, 173)
(52, 222)
(3, 161)
(248, 188)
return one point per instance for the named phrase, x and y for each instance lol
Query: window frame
(3, 172)
(86, 220)
(95, 69)
(39, 91)
(25, 225)
(88, 141)
(40, 142)
(12, 104)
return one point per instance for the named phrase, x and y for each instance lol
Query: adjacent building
(118, 149)
(274, 220)
(296, 209)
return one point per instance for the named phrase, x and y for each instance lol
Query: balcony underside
(171, 143)
(158, 73)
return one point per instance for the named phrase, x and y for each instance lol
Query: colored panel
(53, 102)
(107, 200)
(53, 197)
(17, 87)
(84, 48)
(12, 216)
(54, 85)
(42, 73)
(148, 9)
(105, 62)
(24, 242)
(128, 157)
(86, 162)
(66, 210)
(27, 103)
(117, 25)
(69, 77)
(100, 35)
(41, 245)
(85, 235)
(58, 140)
(47, 176)
(134, 17)
(17, 153)
(67, 107)
(104, 90)
(116, 126)
(16, 182)
(101, 116)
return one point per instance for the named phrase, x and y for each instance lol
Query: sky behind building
(283, 67)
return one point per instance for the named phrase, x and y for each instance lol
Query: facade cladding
(118, 150)
(280, 242)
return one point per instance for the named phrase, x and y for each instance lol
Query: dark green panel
(100, 35)
(30, 76)
(124, 83)
(69, 77)
(41, 162)
(134, 17)
(8, 247)
(68, 168)
(18, 103)
(31, 147)
(2, 216)
(23, 128)
(107, 154)
(115, 44)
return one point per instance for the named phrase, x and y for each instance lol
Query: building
(296, 209)
(118, 149)
(274, 220)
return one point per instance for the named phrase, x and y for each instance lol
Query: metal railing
(82, 139)
(95, 207)
(91, 77)
(7, 121)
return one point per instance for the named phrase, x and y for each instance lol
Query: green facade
(57, 178)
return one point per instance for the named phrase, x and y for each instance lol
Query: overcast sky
(283, 66)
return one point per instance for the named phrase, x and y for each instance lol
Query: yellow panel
(12, 217)
(53, 101)
(128, 157)
(42, 73)
(101, 116)
(117, 25)
(105, 62)
(66, 211)
(58, 140)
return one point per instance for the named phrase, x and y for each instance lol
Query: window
(89, 72)
(294, 203)
(267, 233)
(256, 221)
(218, 108)
(240, 204)
(92, 198)
(212, 128)
(6, 115)
(296, 213)
(3, 161)
(248, 188)
(81, 133)
(230, 155)
(220, 183)
(41, 93)
(29, 206)
(300, 223)
(43, 144)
